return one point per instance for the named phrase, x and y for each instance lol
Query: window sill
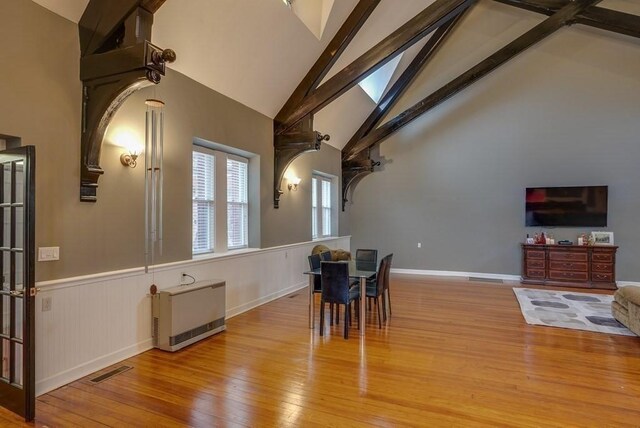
(207, 256)
(325, 238)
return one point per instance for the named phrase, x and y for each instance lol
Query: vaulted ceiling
(257, 51)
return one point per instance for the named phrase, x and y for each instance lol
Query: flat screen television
(579, 206)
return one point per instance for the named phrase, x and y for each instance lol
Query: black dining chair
(375, 289)
(386, 297)
(336, 290)
(325, 256)
(366, 259)
(314, 263)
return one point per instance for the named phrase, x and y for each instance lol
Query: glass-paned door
(17, 293)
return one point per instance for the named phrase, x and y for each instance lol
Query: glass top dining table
(357, 270)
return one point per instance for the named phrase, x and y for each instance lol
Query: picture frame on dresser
(602, 238)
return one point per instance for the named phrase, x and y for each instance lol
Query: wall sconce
(293, 183)
(129, 159)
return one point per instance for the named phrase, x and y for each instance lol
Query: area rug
(580, 311)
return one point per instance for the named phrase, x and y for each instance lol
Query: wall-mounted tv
(579, 206)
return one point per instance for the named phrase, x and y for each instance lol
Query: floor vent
(110, 374)
(497, 281)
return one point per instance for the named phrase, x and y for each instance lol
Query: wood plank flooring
(454, 353)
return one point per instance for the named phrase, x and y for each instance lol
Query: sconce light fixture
(293, 183)
(129, 159)
(288, 3)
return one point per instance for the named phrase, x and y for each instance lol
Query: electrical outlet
(419, 244)
(47, 254)
(46, 304)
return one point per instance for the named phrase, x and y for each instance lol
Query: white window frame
(219, 239)
(323, 209)
(210, 202)
(243, 203)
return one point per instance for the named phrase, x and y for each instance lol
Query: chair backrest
(366, 259)
(325, 256)
(335, 282)
(381, 275)
(314, 263)
(389, 259)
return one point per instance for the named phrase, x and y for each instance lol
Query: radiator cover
(185, 314)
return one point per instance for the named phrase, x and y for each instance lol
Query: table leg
(311, 302)
(363, 303)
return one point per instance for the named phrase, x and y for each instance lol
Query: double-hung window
(237, 202)
(220, 201)
(203, 190)
(321, 206)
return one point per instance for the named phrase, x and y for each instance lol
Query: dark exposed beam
(355, 170)
(102, 19)
(411, 32)
(117, 60)
(332, 52)
(400, 86)
(598, 17)
(564, 16)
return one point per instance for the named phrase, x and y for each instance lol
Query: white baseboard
(230, 313)
(626, 283)
(456, 274)
(60, 379)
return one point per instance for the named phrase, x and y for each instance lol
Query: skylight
(313, 13)
(377, 83)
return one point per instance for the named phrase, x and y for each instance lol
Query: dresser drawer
(562, 275)
(601, 277)
(600, 257)
(602, 267)
(565, 255)
(535, 264)
(535, 254)
(533, 273)
(572, 266)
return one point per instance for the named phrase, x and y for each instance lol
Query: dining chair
(314, 263)
(386, 297)
(366, 259)
(336, 290)
(375, 289)
(325, 256)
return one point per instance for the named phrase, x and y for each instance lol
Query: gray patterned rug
(568, 309)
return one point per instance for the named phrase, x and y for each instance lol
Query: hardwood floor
(454, 353)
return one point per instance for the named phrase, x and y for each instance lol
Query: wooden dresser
(583, 266)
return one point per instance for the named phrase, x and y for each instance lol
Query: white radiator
(185, 314)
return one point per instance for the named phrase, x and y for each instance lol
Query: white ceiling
(257, 51)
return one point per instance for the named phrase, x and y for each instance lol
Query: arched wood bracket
(117, 60)
(288, 146)
(352, 172)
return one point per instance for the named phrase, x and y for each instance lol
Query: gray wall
(40, 101)
(566, 112)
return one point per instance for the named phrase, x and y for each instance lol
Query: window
(220, 201)
(321, 206)
(203, 189)
(237, 203)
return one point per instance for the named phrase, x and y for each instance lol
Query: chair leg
(330, 313)
(357, 301)
(384, 307)
(337, 314)
(389, 300)
(379, 314)
(322, 317)
(347, 321)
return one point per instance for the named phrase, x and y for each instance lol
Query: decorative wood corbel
(117, 60)
(288, 146)
(353, 171)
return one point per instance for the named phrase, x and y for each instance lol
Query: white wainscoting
(98, 320)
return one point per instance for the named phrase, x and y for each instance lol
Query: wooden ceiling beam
(563, 17)
(354, 170)
(329, 56)
(598, 17)
(411, 32)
